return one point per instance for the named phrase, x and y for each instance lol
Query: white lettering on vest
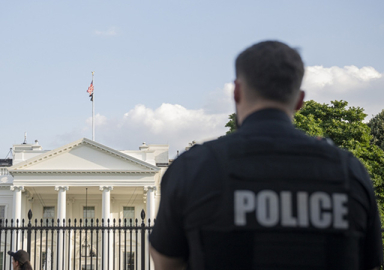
(244, 203)
(267, 213)
(339, 201)
(320, 201)
(287, 220)
(302, 209)
(319, 209)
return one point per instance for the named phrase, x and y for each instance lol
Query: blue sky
(163, 68)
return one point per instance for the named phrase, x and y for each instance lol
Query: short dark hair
(273, 69)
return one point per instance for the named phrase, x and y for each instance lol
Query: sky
(164, 69)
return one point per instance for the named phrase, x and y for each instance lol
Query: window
(129, 213)
(86, 250)
(88, 214)
(130, 260)
(89, 267)
(44, 259)
(2, 212)
(92, 252)
(46, 264)
(48, 213)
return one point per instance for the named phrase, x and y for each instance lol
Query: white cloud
(177, 125)
(173, 118)
(340, 79)
(170, 124)
(110, 32)
(362, 87)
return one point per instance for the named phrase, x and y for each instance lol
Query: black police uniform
(268, 197)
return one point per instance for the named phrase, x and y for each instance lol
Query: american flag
(90, 89)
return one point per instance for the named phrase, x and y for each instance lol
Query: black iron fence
(78, 245)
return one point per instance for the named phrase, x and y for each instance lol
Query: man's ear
(237, 92)
(300, 101)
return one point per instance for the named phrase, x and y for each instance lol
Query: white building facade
(81, 180)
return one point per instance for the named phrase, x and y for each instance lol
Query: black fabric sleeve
(373, 248)
(168, 236)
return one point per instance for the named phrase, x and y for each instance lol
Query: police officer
(267, 196)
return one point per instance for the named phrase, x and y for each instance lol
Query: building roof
(88, 160)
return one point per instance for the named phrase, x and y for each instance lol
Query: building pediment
(83, 156)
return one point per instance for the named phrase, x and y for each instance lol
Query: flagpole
(93, 110)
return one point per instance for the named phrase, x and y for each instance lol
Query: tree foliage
(377, 129)
(343, 125)
(231, 124)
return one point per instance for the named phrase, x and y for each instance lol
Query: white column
(106, 201)
(61, 202)
(106, 214)
(17, 203)
(150, 192)
(61, 211)
(16, 213)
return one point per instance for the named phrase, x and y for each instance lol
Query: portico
(88, 181)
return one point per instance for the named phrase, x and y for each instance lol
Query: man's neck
(266, 104)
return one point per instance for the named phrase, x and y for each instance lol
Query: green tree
(231, 124)
(377, 129)
(343, 125)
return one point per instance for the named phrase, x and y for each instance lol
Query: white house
(81, 180)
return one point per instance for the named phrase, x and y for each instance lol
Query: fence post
(29, 233)
(142, 240)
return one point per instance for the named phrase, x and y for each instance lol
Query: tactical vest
(285, 205)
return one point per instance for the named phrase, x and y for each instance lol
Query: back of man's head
(271, 69)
